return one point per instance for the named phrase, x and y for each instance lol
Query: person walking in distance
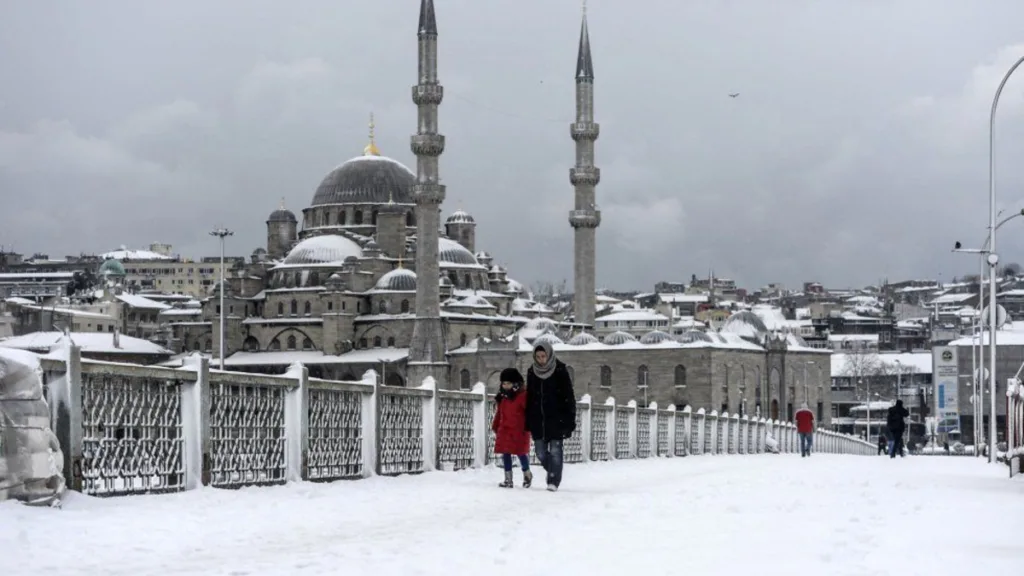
(897, 425)
(509, 425)
(805, 427)
(550, 409)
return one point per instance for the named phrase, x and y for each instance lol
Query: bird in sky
(734, 94)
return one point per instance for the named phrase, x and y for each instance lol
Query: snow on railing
(128, 429)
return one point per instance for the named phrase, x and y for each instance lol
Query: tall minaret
(585, 217)
(427, 349)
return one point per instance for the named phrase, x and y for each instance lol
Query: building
(367, 278)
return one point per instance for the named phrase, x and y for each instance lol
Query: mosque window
(376, 342)
(291, 342)
(606, 376)
(275, 344)
(314, 279)
(209, 345)
(373, 217)
(391, 341)
(294, 307)
(280, 308)
(382, 307)
(680, 376)
(642, 376)
(357, 218)
(469, 281)
(307, 308)
(410, 220)
(325, 219)
(251, 344)
(341, 218)
(464, 379)
(362, 343)
(405, 306)
(307, 344)
(462, 340)
(330, 305)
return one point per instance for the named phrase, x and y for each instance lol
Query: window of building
(291, 342)
(307, 308)
(382, 307)
(391, 341)
(680, 376)
(464, 379)
(294, 308)
(376, 341)
(362, 343)
(642, 376)
(275, 344)
(405, 306)
(606, 376)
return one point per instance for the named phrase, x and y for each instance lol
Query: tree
(546, 292)
(1012, 269)
(870, 373)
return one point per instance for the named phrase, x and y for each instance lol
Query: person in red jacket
(511, 436)
(805, 427)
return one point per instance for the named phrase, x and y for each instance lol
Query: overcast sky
(856, 150)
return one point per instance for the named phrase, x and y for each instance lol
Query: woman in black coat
(550, 409)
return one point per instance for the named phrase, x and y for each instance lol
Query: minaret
(427, 349)
(585, 217)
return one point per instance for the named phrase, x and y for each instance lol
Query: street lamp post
(221, 233)
(977, 360)
(993, 260)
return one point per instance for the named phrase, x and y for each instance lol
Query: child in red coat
(511, 436)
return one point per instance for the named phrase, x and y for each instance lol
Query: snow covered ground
(759, 515)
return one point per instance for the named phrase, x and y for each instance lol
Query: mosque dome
(451, 252)
(582, 339)
(548, 337)
(111, 267)
(540, 325)
(367, 179)
(282, 215)
(746, 324)
(617, 338)
(397, 280)
(460, 216)
(692, 336)
(326, 249)
(655, 337)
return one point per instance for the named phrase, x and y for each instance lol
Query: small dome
(445, 281)
(335, 280)
(369, 179)
(460, 216)
(111, 268)
(515, 287)
(617, 338)
(692, 336)
(371, 246)
(327, 249)
(548, 337)
(745, 324)
(541, 325)
(397, 280)
(582, 339)
(451, 252)
(483, 255)
(655, 337)
(282, 214)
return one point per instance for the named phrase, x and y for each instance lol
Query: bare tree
(870, 374)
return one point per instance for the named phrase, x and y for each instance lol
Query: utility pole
(222, 233)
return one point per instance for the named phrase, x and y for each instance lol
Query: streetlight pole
(221, 233)
(977, 361)
(993, 260)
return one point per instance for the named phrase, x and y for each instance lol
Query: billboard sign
(945, 371)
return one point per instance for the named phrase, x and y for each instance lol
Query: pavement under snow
(713, 515)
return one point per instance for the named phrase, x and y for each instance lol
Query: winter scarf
(548, 368)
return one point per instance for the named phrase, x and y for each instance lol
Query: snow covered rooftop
(126, 254)
(96, 342)
(286, 358)
(632, 316)
(136, 301)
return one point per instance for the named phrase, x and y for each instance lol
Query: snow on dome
(617, 338)
(397, 280)
(282, 214)
(460, 216)
(515, 287)
(112, 267)
(366, 179)
(582, 339)
(450, 252)
(548, 337)
(125, 254)
(692, 336)
(326, 249)
(746, 324)
(483, 255)
(476, 301)
(541, 324)
(655, 337)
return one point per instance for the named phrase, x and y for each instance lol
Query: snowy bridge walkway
(759, 515)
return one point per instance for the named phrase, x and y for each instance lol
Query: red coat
(510, 426)
(804, 421)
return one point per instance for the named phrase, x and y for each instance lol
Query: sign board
(945, 370)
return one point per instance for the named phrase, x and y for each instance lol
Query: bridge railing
(127, 429)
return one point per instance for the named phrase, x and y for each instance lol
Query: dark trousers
(549, 452)
(897, 444)
(524, 462)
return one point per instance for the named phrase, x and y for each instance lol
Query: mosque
(370, 280)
